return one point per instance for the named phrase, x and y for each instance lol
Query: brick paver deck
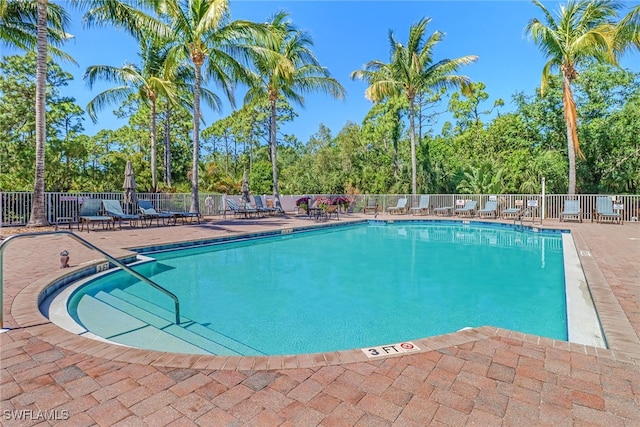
(485, 376)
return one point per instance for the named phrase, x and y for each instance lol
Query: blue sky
(348, 34)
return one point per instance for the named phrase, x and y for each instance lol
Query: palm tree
(207, 38)
(24, 24)
(18, 22)
(286, 67)
(148, 84)
(412, 71)
(581, 31)
(628, 30)
(38, 215)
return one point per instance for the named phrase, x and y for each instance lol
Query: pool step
(128, 330)
(203, 344)
(223, 344)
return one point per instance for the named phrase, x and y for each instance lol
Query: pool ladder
(134, 273)
(529, 211)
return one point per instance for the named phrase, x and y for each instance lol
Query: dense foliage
(473, 153)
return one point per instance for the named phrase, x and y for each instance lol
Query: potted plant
(303, 204)
(323, 202)
(341, 201)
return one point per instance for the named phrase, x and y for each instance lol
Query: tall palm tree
(286, 67)
(38, 215)
(25, 25)
(214, 45)
(412, 71)
(582, 30)
(148, 84)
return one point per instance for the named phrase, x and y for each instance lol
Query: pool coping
(622, 345)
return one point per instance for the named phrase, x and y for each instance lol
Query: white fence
(15, 207)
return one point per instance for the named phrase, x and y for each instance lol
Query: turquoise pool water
(334, 289)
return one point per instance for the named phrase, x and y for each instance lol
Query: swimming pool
(333, 289)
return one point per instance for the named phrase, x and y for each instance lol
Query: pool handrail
(5, 243)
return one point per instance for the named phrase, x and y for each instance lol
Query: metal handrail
(134, 273)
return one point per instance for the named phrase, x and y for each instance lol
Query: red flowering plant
(323, 202)
(303, 201)
(340, 200)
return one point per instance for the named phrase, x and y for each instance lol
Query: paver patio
(485, 376)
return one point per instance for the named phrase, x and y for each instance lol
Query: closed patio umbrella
(245, 188)
(129, 186)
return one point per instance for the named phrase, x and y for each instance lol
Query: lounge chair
(446, 210)
(571, 210)
(89, 214)
(399, 208)
(423, 206)
(469, 208)
(114, 210)
(514, 212)
(148, 213)
(280, 210)
(372, 206)
(241, 210)
(443, 211)
(262, 208)
(184, 216)
(490, 209)
(604, 210)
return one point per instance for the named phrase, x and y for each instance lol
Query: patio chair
(604, 210)
(114, 210)
(329, 211)
(571, 211)
(148, 213)
(490, 209)
(514, 212)
(262, 208)
(241, 210)
(280, 210)
(423, 206)
(89, 214)
(399, 208)
(372, 206)
(469, 208)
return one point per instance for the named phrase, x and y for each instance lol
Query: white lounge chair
(571, 210)
(604, 210)
(423, 206)
(469, 208)
(399, 208)
(490, 209)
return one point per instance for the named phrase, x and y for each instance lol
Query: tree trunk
(167, 147)
(196, 141)
(273, 128)
(38, 216)
(572, 136)
(154, 166)
(412, 133)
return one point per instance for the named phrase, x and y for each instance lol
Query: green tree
(206, 37)
(286, 67)
(148, 84)
(24, 26)
(412, 70)
(581, 31)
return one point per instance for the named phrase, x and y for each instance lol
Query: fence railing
(15, 207)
